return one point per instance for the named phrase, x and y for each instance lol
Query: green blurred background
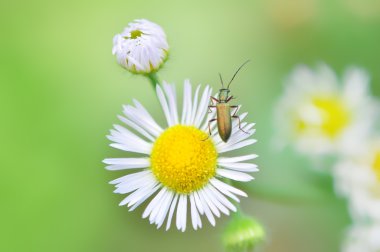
(61, 90)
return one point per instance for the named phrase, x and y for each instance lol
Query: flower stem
(289, 196)
(153, 79)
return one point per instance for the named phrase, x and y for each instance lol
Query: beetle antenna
(221, 80)
(236, 73)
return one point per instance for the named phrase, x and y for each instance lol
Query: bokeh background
(61, 90)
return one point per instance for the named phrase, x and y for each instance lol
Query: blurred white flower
(319, 114)
(141, 47)
(179, 166)
(362, 238)
(358, 178)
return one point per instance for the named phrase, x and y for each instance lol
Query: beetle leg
(209, 108)
(212, 104)
(209, 128)
(234, 115)
(230, 98)
(213, 99)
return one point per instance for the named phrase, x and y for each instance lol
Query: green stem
(288, 196)
(153, 79)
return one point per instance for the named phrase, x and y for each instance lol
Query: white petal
(160, 205)
(195, 105)
(171, 96)
(198, 203)
(186, 111)
(238, 135)
(161, 217)
(236, 159)
(164, 105)
(203, 107)
(171, 211)
(154, 202)
(221, 198)
(126, 177)
(133, 207)
(210, 126)
(126, 163)
(237, 145)
(244, 167)
(138, 195)
(142, 182)
(180, 212)
(210, 115)
(206, 209)
(356, 82)
(223, 187)
(234, 175)
(142, 120)
(215, 201)
(137, 128)
(195, 218)
(209, 202)
(126, 139)
(121, 135)
(142, 110)
(228, 193)
(239, 132)
(326, 77)
(137, 176)
(184, 213)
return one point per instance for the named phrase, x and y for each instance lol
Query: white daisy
(358, 178)
(362, 238)
(320, 115)
(180, 168)
(141, 47)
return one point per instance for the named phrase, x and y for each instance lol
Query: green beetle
(223, 110)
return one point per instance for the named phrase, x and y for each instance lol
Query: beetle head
(223, 94)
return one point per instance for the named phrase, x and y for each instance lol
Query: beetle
(223, 109)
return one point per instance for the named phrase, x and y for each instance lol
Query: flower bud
(242, 234)
(142, 47)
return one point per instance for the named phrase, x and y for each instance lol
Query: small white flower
(358, 178)
(320, 115)
(362, 238)
(181, 168)
(141, 47)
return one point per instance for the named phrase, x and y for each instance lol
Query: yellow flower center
(376, 165)
(182, 159)
(329, 116)
(134, 34)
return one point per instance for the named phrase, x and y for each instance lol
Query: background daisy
(358, 179)
(182, 169)
(363, 238)
(321, 114)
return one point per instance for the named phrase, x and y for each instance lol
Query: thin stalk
(153, 78)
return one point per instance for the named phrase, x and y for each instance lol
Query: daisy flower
(358, 178)
(362, 238)
(321, 114)
(141, 47)
(178, 167)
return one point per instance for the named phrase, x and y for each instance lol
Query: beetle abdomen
(223, 116)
